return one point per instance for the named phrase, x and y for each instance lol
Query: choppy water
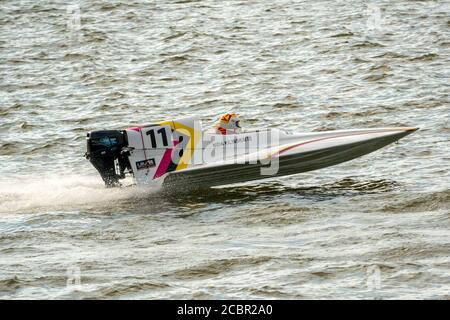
(376, 227)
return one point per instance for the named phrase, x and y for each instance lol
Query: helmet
(228, 123)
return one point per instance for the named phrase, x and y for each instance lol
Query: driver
(228, 123)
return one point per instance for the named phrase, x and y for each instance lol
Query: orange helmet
(228, 123)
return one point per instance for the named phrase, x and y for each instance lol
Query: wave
(425, 57)
(7, 149)
(218, 266)
(60, 192)
(433, 201)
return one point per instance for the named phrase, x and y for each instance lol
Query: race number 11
(159, 137)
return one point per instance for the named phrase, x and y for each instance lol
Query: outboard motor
(105, 150)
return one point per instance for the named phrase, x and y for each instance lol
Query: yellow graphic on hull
(194, 137)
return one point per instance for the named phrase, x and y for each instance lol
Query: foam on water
(60, 192)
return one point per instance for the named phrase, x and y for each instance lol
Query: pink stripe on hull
(326, 138)
(134, 128)
(165, 161)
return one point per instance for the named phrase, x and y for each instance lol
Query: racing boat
(178, 154)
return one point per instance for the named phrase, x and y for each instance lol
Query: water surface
(374, 228)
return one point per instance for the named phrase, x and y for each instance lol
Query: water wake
(60, 192)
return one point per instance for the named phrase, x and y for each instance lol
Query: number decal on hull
(159, 137)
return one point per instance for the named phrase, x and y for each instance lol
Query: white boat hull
(179, 155)
(315, 151)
